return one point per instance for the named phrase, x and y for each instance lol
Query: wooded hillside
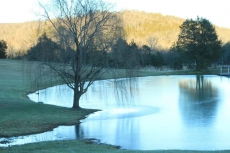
(152, 29)
(145, 27)
(21, 36)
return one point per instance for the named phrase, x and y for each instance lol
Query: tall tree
(173, 58)
(158, 59)
(146, 55)
(120, 53)
(199, 42)
(3, 48)
(86, 30)
(226, 56)
(126, 56)
(45, 50)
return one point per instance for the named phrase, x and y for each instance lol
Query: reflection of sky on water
(168, 112)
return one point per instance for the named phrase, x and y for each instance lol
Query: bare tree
(86, 31)
(153, 43)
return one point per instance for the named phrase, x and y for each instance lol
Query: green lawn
(82, 147)
(20, 116)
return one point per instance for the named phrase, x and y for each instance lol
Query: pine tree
(199, 43)
(3, 48)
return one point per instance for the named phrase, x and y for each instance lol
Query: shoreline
(20, 116)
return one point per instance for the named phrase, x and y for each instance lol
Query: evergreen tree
(120, 53)
(146, 55)
(199, 43)
(226, 56)
(158, 59)
(45, 50)
(3, 48)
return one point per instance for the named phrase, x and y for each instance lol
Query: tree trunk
(76, 99)
(198, 65)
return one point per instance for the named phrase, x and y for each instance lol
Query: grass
(178, 72)
(83, 147)
(20, 116)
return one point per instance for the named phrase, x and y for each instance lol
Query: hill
(144, 28)
(21, 36)
(152, 29)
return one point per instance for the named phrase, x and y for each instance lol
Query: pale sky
(216, 11)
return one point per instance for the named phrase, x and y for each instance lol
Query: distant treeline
(152, 29)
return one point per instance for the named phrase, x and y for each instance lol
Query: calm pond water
(164, 112)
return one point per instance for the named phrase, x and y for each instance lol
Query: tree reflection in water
(198, 101)
(174, 112)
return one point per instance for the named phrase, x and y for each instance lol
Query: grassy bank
(20, 116)
(82, 147)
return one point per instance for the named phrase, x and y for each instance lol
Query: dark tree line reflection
(198, 101)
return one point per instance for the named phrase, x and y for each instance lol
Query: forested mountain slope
(145, 27)
(152, 29)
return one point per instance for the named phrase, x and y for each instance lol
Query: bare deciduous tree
(153, 43)
(86, 31)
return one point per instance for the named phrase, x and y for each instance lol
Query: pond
(163, 112)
